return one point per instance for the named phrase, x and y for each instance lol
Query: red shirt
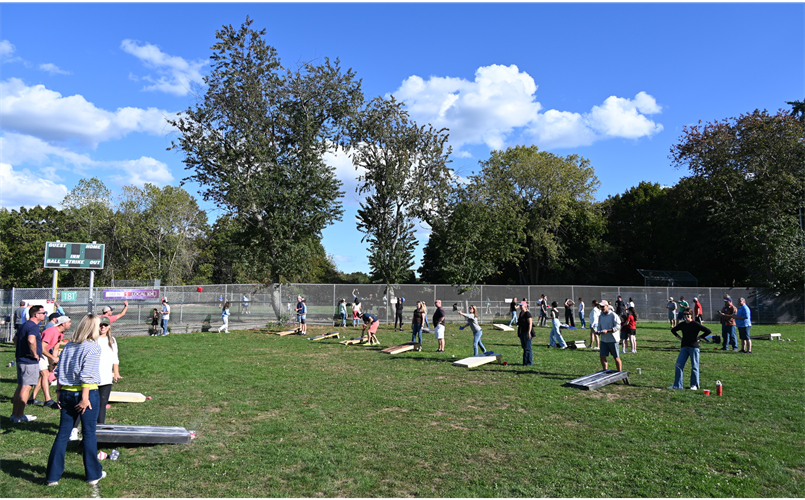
(697, 308)
(631, 323)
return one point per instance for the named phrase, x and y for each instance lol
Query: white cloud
(176, 74)
(23, 188)
(500, 105)
(345, 172)
(48, 115)
(140, 171)
(18, 149)
(53, 69)
(7, 50)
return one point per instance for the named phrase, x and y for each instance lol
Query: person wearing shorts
(743, 319)
(28, 353)
(301, 315)
(609, 327)
(373, 323)
(671, 305)
(439, 324)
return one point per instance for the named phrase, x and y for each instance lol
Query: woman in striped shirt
(78, 377)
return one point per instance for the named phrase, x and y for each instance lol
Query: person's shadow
(205, 325)
(32, 473)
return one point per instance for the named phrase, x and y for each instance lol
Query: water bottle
(719, 388)
(114, 455)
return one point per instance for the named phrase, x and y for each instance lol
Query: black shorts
(627, 332)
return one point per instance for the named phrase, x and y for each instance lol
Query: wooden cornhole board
(408, 346)
(141, 434)
(356, 340)
(485, 358)
(599, 379)
(288, 332)
(576, 344)
(126, 397)
(767, 336)
(329, 335)
(505, 328)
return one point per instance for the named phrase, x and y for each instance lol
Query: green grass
(286, 417)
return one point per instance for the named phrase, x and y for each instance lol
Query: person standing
(683, 306)
(620, 306)
(629, 329)
(543, 311)
(569, 312)
(439, 325)
(51, 337)
(416, 323)
(513, 311)
(581, 313)
(155, 316)
(108, 310)
(689, 349)
(697, 310)
(19, 315)
(595, 340)
(743, 320)
(356, 311)
(609, 327)
(629, 304)
(78, 375)
(166, 315)
(109, 365)
(525, 331)
(472, 322)
(728, 325)
(671, 306)
(342, 310)
(398, 313)
(28, 352)
(556, 339)
(301, 315)
(245, 301)
(225, 318)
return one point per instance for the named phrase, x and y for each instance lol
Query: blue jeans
(343, 319)
(416, 333)
(525, 342)
(581, 318)
(514, 318)
(426, 322)
(164, 327)
(556, 338)
(684, 354)
(728, 336)
(89, 419)
(476, 342)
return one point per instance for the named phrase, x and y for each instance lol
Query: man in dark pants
(525, 330)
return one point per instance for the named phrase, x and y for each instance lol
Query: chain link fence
(198, 308)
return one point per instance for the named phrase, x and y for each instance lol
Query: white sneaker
(24, 418)
(103, 475)
(74, 435)
(694, 388)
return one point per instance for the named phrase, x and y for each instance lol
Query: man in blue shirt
(29, 350)
(743, 319)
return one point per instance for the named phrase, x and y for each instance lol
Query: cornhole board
(126, 397)
(329, 335)
(767, 336)
(288, 332)
(599, 379)
(427, 330)
(356, 340)
(485, 358)
(408, 346)
(505, 328)
(576, 344)
(141, 434)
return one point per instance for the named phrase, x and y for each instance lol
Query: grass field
(287, 417)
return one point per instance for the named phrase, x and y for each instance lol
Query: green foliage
(255, 142)
(403, 170)
(750, 172)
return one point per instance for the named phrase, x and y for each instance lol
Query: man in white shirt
(609, 327)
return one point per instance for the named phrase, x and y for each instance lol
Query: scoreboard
(74, 255)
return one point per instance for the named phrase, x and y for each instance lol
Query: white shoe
(74, 435)
(694, 388)
(103, 475)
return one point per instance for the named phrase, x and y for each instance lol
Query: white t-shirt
(108, 358)
(167, 310)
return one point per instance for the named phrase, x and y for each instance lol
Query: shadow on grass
(36, 426)
(33, 473)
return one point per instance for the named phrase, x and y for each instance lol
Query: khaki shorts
(27, 373)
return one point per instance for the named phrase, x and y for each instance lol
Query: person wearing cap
(728, 325)
(28, 352)
(51, 321)
(697, 310)
(671, 305)
(108, 310)
(166, 315)
(51, 337)
(609, 327)
(692, 333)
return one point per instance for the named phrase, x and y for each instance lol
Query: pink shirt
(50, 337)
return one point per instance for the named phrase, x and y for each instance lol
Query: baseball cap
(53, 316)
(105, 321)
(603, 303)
(107, 309)
(62, 320)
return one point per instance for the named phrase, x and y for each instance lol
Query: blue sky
(85, 88)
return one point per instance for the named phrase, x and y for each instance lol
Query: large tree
(405, 178)
(751, 174)
(255, 140)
